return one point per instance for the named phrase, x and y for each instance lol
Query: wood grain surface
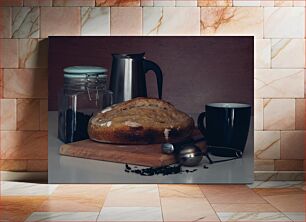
(144, 155)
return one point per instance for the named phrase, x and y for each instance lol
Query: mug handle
(201, 126)
(149, 65)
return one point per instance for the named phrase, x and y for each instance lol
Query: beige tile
(4, 3)
(25, 22)
(118, 2)
(28, 114)
(300, 114)
(27, 187)
(1, 83)
(279, 114)
(8, 114)
(142, 214)
(267, 145)
(37, 165)
(285, 200)
(146, 3)
(128, 196)
(171, 21)
(73, 2)
(25, 83)
(279, 83)
(283, 50)
(37, 2)
(296, 216)
(280, 3)
(183, 191)
(5, 22)
(24, 145)
(278, 22)
(28, 53)
(43, 114)
(267, 3)
(13, 165)
(264, 192)
(71, 204)
(93, 191)
(246, 3)
(305, 83)
(292, 144)
(163, 3)
(18, 208)
(20, 187)
(230, 194)
(63, 216)
(33, 53)
(8, 53)
(252, 216)
(279, 175)
(52, 16)
(263, 207)
(289, 165)
(299, 3)
(263, 53)
(95, 21)
(277, 184)
(286, 203)
(212, 3)
(258, 115)
(187, 209)
(263, 165)
(126, 21)
(186, 3)
(232, 21)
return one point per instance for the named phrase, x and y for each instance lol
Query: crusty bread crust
(140, 121)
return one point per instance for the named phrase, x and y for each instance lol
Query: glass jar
(84, 93)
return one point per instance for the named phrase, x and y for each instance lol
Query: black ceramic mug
(226, 127)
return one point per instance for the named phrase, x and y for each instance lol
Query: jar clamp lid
(90, 79)
(78, 71)
(84, 74)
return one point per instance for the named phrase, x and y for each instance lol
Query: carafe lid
(129, 56)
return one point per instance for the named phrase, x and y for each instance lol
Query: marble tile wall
(278, 27)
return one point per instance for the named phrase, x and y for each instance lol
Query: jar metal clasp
(96, 87)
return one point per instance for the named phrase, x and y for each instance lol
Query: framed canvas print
(170, 109)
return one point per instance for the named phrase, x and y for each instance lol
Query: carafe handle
(149, 65)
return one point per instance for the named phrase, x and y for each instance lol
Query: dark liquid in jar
(73, 126)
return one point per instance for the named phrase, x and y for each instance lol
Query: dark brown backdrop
(197, 70)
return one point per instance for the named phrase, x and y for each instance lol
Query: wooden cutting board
(144, 155)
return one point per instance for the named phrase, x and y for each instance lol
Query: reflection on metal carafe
(128, 80)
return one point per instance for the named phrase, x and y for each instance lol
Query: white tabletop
(64, 169)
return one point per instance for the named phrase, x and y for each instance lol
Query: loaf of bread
(140, 121)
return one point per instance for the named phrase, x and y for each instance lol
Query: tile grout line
(160, 203)
(209, 203)
(252, 189)
(278, 210)
(267, 202)
(104, 202)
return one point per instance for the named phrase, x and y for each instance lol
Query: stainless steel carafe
(128, 80)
